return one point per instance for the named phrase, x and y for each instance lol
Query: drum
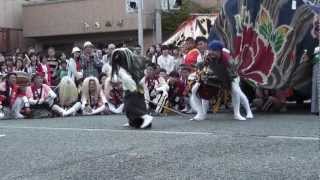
(210, 86)
(208, 92)
(23, 79)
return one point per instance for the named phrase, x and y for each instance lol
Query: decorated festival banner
(268, 37)
(196, 25)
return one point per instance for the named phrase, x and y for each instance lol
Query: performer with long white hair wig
(129, 69)
(68, 95)
(92, 97)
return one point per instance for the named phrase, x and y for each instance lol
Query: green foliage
(171, 20)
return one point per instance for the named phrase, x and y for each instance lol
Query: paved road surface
(268, 147)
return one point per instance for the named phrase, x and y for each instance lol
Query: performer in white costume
(129, 69)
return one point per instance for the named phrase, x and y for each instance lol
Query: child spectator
(176, 89)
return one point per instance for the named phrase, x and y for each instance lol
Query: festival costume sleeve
(29, 95)
(145, 90)
(163, 86)
(48, 92)
(128, 82)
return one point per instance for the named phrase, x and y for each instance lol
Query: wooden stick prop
(169, 109)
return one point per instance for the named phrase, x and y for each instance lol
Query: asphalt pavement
(271, 146)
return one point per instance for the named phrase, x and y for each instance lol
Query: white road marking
(158, 132)
(111, 130)
(2, 135)
(295, 138)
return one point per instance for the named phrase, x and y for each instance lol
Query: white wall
(11, 13)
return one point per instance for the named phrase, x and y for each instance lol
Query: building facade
(11, 36)
(65, 23)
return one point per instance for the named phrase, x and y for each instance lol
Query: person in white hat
(75, 71)
(90, 61)
(315, 81)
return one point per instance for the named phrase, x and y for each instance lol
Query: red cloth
(192, 57)
(15, 93)
(116, 96)
(178, 88)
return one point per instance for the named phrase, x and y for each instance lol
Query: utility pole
(140, 25)
(158, 22)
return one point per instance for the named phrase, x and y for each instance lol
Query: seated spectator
(13, 97)
(155, 89)
(68, 103)
(92, 98)
(176, 91)
(115, 97)
(271, 100)
(163, 74)
(185, 72)
(39, 94)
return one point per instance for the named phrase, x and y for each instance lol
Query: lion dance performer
(129, 69)
(217, 72)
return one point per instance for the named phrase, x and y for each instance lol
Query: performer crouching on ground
(92, 97)
(13, 98)
(155, 89)
(67, 98)
(238, 97)
(40, 95)
(129, 69)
